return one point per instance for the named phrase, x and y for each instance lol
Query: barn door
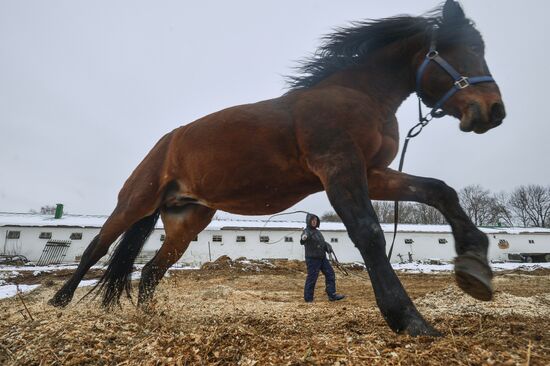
(54, 252)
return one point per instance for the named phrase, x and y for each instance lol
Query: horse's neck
(387, 76)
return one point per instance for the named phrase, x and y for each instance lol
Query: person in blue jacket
(316, 260)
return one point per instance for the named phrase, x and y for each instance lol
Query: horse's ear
(453, 13)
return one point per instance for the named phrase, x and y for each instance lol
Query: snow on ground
(38, 269)
(86, 283)
(11, 290)
(507, 266)
(422, 267)
(448, 267)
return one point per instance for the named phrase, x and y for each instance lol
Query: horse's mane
(349, 46)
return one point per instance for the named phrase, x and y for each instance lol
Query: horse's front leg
(346, 187)
(472, 271)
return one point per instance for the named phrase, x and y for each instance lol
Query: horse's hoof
(60, 301)
(418, 328)
(473, 276)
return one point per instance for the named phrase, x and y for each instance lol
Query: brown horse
(335, 130)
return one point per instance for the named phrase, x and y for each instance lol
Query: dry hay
(452, 301)
(230, 316)
(225, 263)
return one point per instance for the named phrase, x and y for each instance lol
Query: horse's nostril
(497, 113)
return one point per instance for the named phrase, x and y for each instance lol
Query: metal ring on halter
(432, 54)
(413, 132)
(462, 83)
(437, 113)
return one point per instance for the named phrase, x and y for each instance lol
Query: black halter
(460, 82)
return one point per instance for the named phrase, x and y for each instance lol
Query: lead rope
(335, 261)
(423, 121)
(288, 233)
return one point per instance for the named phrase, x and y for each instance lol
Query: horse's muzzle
(497, 114)
(474, 118)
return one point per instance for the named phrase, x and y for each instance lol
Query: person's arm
(304, 237)
(328, 247)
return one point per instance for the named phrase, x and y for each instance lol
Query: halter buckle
(462, 83)
(432, 54)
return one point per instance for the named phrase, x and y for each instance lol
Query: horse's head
(457, 50)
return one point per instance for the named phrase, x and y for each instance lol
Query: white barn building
(46, 240)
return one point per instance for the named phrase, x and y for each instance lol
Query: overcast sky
(88, 87)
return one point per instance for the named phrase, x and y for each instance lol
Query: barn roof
(96, 221)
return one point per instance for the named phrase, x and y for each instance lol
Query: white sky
(88, 87)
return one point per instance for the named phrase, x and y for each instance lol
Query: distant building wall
(245, 242)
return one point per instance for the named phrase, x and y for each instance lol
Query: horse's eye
(476, 49)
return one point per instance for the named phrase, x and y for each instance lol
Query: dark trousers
(314, 265)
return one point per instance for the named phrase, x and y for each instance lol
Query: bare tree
(501, 211)
(526, 205)
(427, 215)
(44, 210)
(531, 205)
(384, 210)
(518, 205)
(409, 213)
(331, 216)
(476, 201)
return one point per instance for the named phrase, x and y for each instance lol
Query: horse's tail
(133, 220)
(118, 275)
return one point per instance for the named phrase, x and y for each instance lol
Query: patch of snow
(48, 269)
(37, 268)
(184, 268)
(449, 267)
(507, 266)
(7, 291)
(86, 283)
(422, 267)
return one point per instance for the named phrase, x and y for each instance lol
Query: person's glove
(329, 248)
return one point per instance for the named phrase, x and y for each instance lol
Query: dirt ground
(252, 313)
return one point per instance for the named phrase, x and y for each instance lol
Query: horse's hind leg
(115, 226)
(181, 226)
(346, 187)
(472, 270)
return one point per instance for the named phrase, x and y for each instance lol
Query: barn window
(264, 239)
(334, 240)
(531, 241)
(241, 238)
(196, 238)
(409, 241)
(14, 234)
(45, 235)
(217, 238)
(289, 239)
(162, 237)
(76, 236)
(442, 241)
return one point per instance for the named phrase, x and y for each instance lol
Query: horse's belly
(252, 191)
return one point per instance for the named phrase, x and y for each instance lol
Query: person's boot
(336, 297)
